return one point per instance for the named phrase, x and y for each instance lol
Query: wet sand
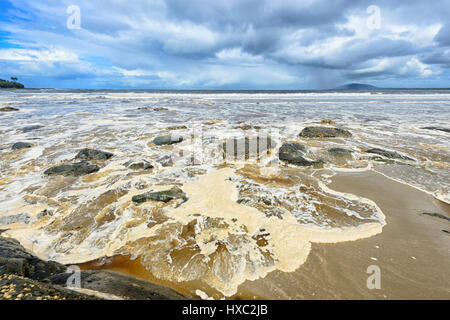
(412, 252)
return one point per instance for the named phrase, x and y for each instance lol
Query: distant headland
(357, 86)
(5, 84)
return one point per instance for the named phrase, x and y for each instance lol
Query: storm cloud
(226, 44)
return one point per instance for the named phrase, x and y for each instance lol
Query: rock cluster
(82, 167)
(74, 169)
(26, 277)
(325, 132)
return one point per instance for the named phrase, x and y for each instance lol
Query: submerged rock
(92, 154)
(17, 218)
(163, 196)
(8, 109)
(167, 140)
(21, 145)
(438, 128)
(31, 128)
(340, 152)
(325, 132)
(73, 169)
(138, 165)
(389, 154)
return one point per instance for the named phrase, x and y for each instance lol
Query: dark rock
(325, 132)
(438, 128)
(24, 263)
(318, 164)
(91, 154)
(73, 169)
(293, 153)
(28, 289)
(437, 215)
(31, 128)
(32, 278)
(164, 196)
(340, 152)
(292, 147)
(167, 140)
(138, 165)
(120, 285)
(17, 218)
(14, 266)
(21, 145)
(10, 248)
(160, 109)
(8, 109)
(389, 154)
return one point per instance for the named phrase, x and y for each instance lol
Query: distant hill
(11, 84)
(357, 86)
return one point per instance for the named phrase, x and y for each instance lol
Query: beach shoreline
(295, 202)
(412, 251)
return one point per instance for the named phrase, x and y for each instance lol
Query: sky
(225, 44)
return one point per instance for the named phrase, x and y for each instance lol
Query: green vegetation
(11, 84)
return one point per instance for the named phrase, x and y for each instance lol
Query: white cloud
(236, 55)
(45, 55)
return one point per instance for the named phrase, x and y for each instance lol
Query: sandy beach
(412, 252)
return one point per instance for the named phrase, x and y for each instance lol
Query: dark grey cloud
(443, 37)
